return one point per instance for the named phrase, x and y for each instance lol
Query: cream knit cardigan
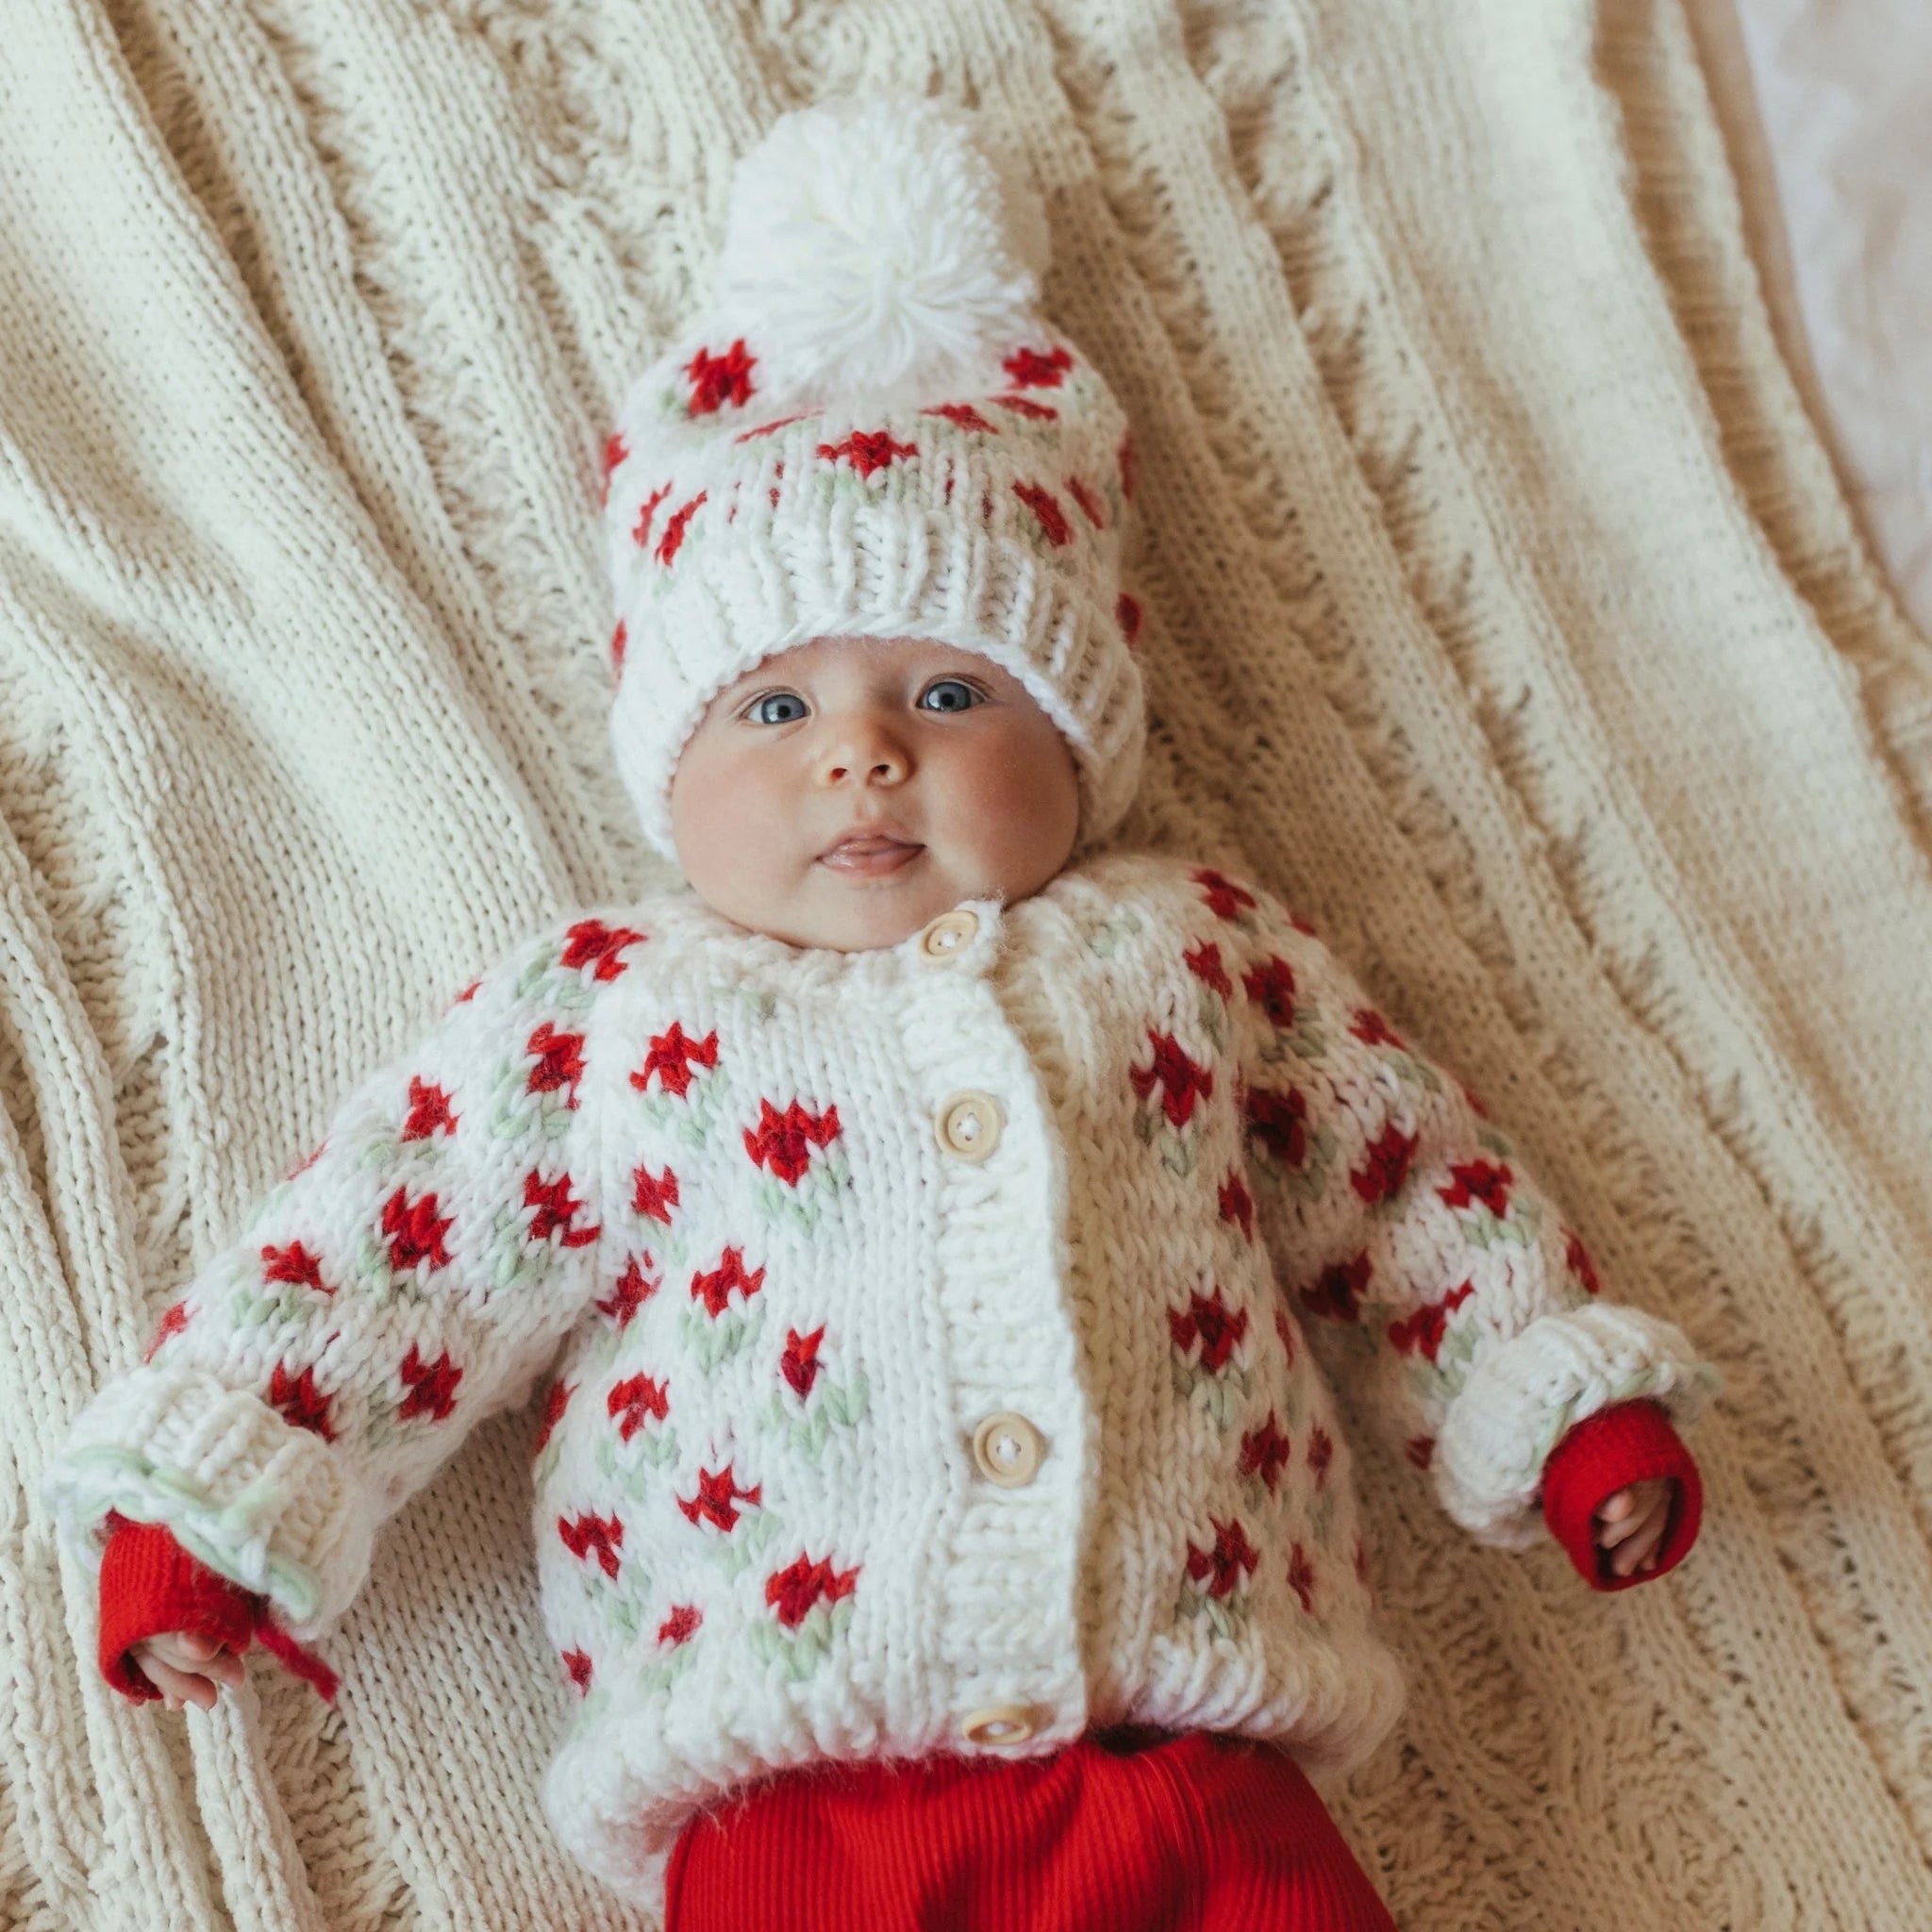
(923, 1382)
(1502, 616)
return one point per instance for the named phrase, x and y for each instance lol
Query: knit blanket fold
(1502, 613)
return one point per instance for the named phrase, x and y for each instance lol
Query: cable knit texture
(1499, 612)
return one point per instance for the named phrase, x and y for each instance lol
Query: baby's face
(849, 789)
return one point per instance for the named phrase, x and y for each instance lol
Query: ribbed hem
(1628, 1443)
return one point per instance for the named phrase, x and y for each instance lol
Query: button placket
(1008, 1449)
(968, 1124)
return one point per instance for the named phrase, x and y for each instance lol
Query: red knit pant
(1129, 1830)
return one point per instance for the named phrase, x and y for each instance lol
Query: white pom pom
(874, 244)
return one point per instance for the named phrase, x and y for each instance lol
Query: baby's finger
(1609, 1535)
(1620, 1506)
(182, 1686)
(191, 1644)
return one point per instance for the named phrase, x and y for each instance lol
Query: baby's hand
(187, 1669)
(1631, 1525)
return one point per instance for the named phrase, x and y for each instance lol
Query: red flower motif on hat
(598, 1536)
(655, 1196)
(717, 1499)
(1204, 962)
(615, 450)
(793, 1590)
(640, 535)
(1238, 1205)
(554, 1405)
(1480, 1182)
(1373, 1030)
(1182, 1081)
(684, 1618)
(592, 940)
(634, 1289)
(801, 1364)
(1044, 506)
(718, 379)
(295, 1264)
(770, 429)
(1211, 1322)
(963, 416)
(1030, 369)
(173, 1319)
(1277, 1121)
(1338, 1290)
(555, 1209)
(1301, 1578)
(1577, 1258)
(783, 1142)
(1225, 897)
(716, 1289)
(415, 1230)
(673, 1054)
(432, 1386)
(1264, 1451)
(1229, 1564)
(577, 1662)
(559, 1062)
(1127, 614)
(1270, 986)
(1320, 1453)
(1026, 407)
(301, 1404)
(635, 1401)
(1424, 1330)
(617, 640)
(1387, 1167)
(868, 450)
(673, 539)
(1090, 504)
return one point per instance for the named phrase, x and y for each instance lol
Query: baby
(934, 1222)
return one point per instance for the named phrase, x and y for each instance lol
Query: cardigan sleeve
(1441, 1289)
(412, 1275)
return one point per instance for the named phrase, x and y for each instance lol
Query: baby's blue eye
(761, 716)
(953, 693)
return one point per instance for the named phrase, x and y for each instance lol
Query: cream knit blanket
(1502, 613)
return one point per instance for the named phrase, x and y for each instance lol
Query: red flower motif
(1043, 505)
(1030, 369)
(717, 379)
(577, 1662)
(1422, 1450)
(1090, 504)
(1577, 1258)
(673, 539)
(600, 1536)
(1387, 1168)
(591, 939)
(770, 429)
(964, 415)
(715, 1290)
(1264, 1451)
(469, 992)
(617, 637)
(555, 1209)
(1338, 1290)
(1225, 897)
(1286, 1331)
(554, 1405)
(293, 1263)
(1320, 1454)
(1210, 1320)
(1425, 1328)
(634, 1289)
(1026, 407)
(672, 1057)
(1204, 962)
(432, 1386)
(1127, 614)
(868, 450)
(1275, 1122)
(415, 1230)
(301, 1404)
(783, 1142)
(801, 1364)
(1373, 1030)
(173, 1319)
(1480, 1182)
(615, 450)
(1301, 1578)
(655, 1196)
(678, 1625)
(1125, 458)
(1182, 1080)
(428, 1114)
(1271, 987)
(1231, 1561)
(793, 1590)
(559, 1062)
(635, 1401)
(640, 536)
(716, 1501)
(1238, 1205)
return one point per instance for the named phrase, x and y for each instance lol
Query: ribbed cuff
(1628, 1442)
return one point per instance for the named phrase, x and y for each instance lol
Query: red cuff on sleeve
(150, 1585)
(1626, 1443)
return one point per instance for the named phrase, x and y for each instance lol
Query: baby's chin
(846, 913)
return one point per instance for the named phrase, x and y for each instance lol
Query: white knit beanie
(873, 433)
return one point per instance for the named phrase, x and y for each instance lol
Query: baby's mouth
(870, 853)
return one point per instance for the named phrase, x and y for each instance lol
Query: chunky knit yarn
(935, 1334)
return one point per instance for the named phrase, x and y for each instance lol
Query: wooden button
(948, 935)
(969, 1126)
(1001, 1723)
(1008, 1449)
